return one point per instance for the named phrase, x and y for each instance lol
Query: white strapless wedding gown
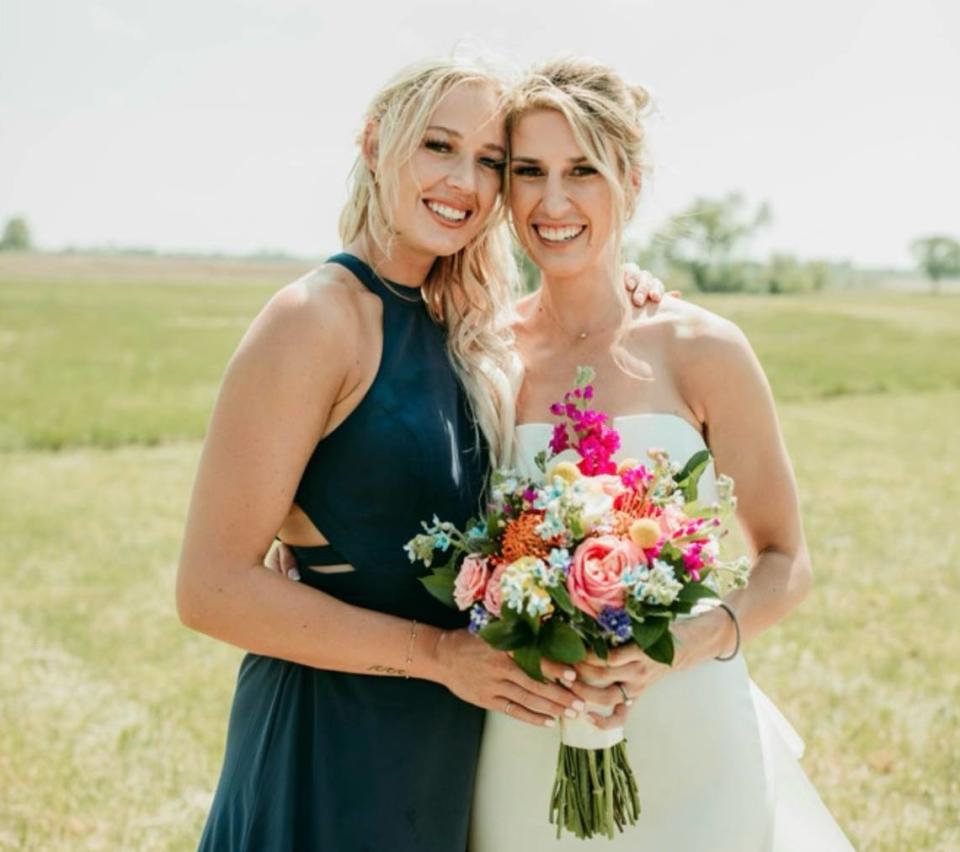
(715, 761)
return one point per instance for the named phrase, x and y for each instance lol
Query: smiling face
(561, 206)
(445, 194)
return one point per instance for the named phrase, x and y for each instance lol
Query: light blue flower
(478, 531)
(546, 574)
(550, 527)
(560, 558)
(539, 604)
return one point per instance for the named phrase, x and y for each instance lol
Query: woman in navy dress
(354, 407)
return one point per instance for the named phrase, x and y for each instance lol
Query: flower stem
(594, 792)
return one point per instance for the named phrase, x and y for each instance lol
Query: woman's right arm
(292, 374)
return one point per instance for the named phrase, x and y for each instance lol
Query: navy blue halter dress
(324, 760)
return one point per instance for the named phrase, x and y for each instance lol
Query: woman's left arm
(725, 384)
(743, 433)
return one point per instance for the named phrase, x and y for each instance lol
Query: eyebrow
(458, 135)
(574, 161)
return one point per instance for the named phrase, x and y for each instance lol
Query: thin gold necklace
(581, 335)
(410, 300)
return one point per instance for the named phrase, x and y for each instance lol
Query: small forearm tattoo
(387, 670)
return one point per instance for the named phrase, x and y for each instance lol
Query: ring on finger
(626, 698)
(508, 708)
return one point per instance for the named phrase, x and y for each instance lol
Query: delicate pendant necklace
(580, 335)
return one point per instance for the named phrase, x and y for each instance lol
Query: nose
(555, 203)
(464, 176)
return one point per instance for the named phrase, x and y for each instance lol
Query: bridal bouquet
(598, 554)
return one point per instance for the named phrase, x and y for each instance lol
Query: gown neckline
(628, 417)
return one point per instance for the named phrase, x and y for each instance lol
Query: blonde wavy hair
(606, 115)
(470, 292)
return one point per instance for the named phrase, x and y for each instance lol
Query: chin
(560, 267)
(444, 245)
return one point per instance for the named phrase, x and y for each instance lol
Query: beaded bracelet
(736, 625)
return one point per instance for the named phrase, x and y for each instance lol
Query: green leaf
(695, 466)
(694, 592)
(584, 376)
(528, 658)
(541, 459)
(560, 642)
(440, 585)
(532, 621)
(646, 633)
(662, 649)
(508, 615)
(507, 635)
(562, 599)
(688, 478)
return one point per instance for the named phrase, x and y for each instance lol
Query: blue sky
(229, 125)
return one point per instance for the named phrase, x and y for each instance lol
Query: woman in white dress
(715, 763)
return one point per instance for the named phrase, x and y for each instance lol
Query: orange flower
(631, 502)
(520, 538)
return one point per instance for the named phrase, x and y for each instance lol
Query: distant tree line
(699, 249)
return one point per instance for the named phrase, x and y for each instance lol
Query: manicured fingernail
(549, 723)
(570, 714)
(578, 705)
(569, 674)
(294, 574)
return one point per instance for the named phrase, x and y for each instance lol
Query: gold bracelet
(413, 638)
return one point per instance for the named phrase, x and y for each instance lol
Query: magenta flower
(559, 441)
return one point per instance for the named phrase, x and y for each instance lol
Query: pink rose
(471, 581)
(494, 594)
(595, 578)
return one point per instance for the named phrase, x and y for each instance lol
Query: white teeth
(560, 235)
(447, 212)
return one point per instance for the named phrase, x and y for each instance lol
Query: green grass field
(112, 716)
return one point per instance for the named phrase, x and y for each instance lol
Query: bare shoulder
(695, 334)
(708, 357)
(324, 311)
(319, 301)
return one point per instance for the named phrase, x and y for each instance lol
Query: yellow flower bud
(627, 464)
(644, 532)
(565, 470)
